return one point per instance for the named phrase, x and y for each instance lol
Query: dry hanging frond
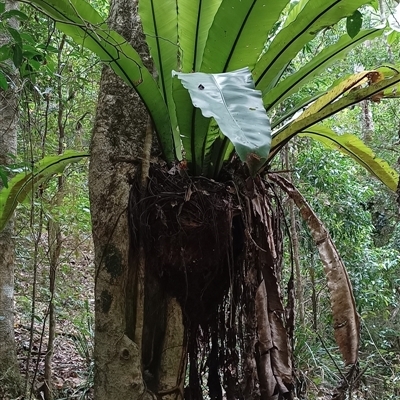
(345, 317)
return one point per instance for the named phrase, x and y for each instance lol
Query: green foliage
(311, 69)
(159, 20)
(81, 21)
(195, 18)
(336, 99)
(229, 37)
(24, 183)
(237, 35)
(334, 186)
(302, 24)
(57, 85)
(354, 147)
(26, 54)
(344, 197)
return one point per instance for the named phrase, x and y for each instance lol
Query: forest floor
(72, 366)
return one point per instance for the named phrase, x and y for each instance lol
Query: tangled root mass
(189, 234)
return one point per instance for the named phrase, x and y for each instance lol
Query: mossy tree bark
(9, 372)
(122, 359)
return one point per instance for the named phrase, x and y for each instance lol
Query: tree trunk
(9, 371)
(117, 358)
(126, 365)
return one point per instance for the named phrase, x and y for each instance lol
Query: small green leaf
(16, 14)
(29, 48)
(27, 38)
(5, 52)
(392, 38)
(25, 70)
(51, 49)
(2, 7)
(35, 64)
(15, 35)
(17, 55)
(354, 23)
(3, 82)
